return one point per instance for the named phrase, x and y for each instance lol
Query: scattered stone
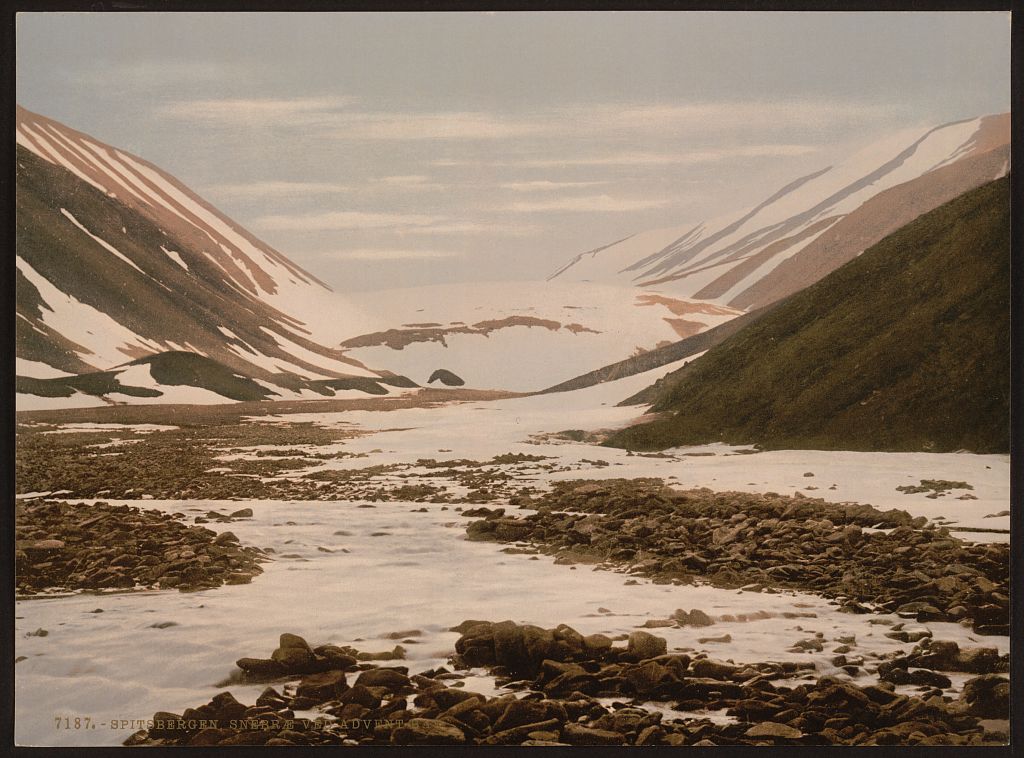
(869, 560)
(560, 705)
(695, 617)
(103, 546)
(721, 638)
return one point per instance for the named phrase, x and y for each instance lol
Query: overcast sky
(392, 149)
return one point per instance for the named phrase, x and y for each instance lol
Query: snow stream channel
(348, 575)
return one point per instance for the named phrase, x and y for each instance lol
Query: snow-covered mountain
(132, 288)
(117, 260)
(809, 227)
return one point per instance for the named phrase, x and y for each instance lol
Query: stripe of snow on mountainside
(248, 263)
(116, 259)
(721, 259)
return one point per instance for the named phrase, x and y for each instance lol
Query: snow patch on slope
(176, 257)
(103, 243)
(81, 323)
(36, 369)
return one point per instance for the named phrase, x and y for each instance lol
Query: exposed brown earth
(396, 339)
(751, 263)
(684, 307)
(99, 165)
(683, 327)
(232, 412)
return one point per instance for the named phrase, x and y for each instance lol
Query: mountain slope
(812, 225)
(661, 356)
(904, 348)
(116, 260)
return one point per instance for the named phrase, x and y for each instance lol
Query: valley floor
(354, 571)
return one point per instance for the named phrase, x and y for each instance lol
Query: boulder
(322, 686)
(987, 696)
(709, 668)
(392, 679)
(576, 734)
(261, 666)
(642, 645)
(427, 732)
(695, 617)
(772, 730)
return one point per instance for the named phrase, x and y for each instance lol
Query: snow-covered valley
(354, 572)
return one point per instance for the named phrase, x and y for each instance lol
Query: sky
(384, 150)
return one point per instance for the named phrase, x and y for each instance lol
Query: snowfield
(596, 325)
(350, 575)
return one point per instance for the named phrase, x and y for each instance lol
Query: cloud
(272, 188)
(591, 203)
(280, 189)
(475, 227)
(411, 182)
(545, 185)
(338, 220)
(257, 112)
(157, 73)
(399, 223)
(693, 157)
(448, 125)
(765, 114)
(390, 254)
(343, 118)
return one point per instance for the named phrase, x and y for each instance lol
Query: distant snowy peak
(249, 263)
(739, 259)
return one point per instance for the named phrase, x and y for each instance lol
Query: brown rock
(322, 686)
(575, 734)
(774, 731)
(427, 732)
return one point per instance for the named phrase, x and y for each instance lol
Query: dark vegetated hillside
(182, 368)
(188, 369)
(905, 348)
(661, 356)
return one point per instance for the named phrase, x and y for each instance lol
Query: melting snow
(422, 574)
(36, 369)
(103, 243)
(176, 257)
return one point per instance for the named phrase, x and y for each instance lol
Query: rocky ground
(554, 686)
(62, 547)
(251, 459)
(569, 689)
(867, 559)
